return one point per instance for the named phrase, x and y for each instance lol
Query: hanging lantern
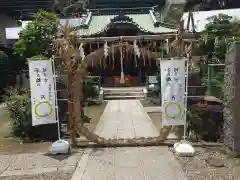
(136, 49)
(81, 51)
(105, 49)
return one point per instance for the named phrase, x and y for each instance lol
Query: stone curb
(67, 169)
(79, 171)
(168, 143)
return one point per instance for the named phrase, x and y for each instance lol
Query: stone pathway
(127, 119)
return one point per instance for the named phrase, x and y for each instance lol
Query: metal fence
(215, 80)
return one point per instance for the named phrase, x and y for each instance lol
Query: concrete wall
(5, 21)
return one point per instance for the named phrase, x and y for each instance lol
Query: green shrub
(89, 89)
(154, 92)
(19, 107)
(193, 123)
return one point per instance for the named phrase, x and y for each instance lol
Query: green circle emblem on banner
(170, 105)
(46, 114)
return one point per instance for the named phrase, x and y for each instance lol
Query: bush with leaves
(19, 107)
(218, 34)
(193, 127)
(89, 89)
(36, 37)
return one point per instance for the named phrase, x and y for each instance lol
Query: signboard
(152, 80)
(173, 92)
(42, 92)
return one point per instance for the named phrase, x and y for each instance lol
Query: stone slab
(153, 109)
(236, 172)
(125, 119)
(140, 163)
(35, 163)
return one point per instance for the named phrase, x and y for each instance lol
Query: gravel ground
(45, 176)
(209, 163)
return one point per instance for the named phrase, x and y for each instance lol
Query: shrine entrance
(121, 67)
(142, 52)
(122, 63)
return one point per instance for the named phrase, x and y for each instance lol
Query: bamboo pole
(179, 130)
(176, 130)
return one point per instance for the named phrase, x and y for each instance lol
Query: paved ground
(127, 119)
(30, 164)
(121, 119)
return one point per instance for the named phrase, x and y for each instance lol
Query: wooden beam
(189, 36)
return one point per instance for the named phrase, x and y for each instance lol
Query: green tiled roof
(144, 21)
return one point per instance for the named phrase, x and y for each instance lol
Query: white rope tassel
(216, 41)
(121, 60)
(113, 57)
(136, 49)
(106, 49)
(81, 50)
(167, 46)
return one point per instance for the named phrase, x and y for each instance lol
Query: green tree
(37, 35)
(218, 34)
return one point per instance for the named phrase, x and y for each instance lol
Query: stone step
(122, 93)
(123, 88)
(110, 97)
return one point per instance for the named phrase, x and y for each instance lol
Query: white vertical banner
(173, 89)
(42, 92)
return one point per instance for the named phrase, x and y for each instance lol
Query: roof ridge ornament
(122, 18)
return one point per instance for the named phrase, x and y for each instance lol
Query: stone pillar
(25, 83)
(231, 110)
(18, 81)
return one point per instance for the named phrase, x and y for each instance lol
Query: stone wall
(232, 99)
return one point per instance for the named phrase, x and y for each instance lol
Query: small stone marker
(236, 173)
(215, 162)
(184, 148)
(60, 147)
